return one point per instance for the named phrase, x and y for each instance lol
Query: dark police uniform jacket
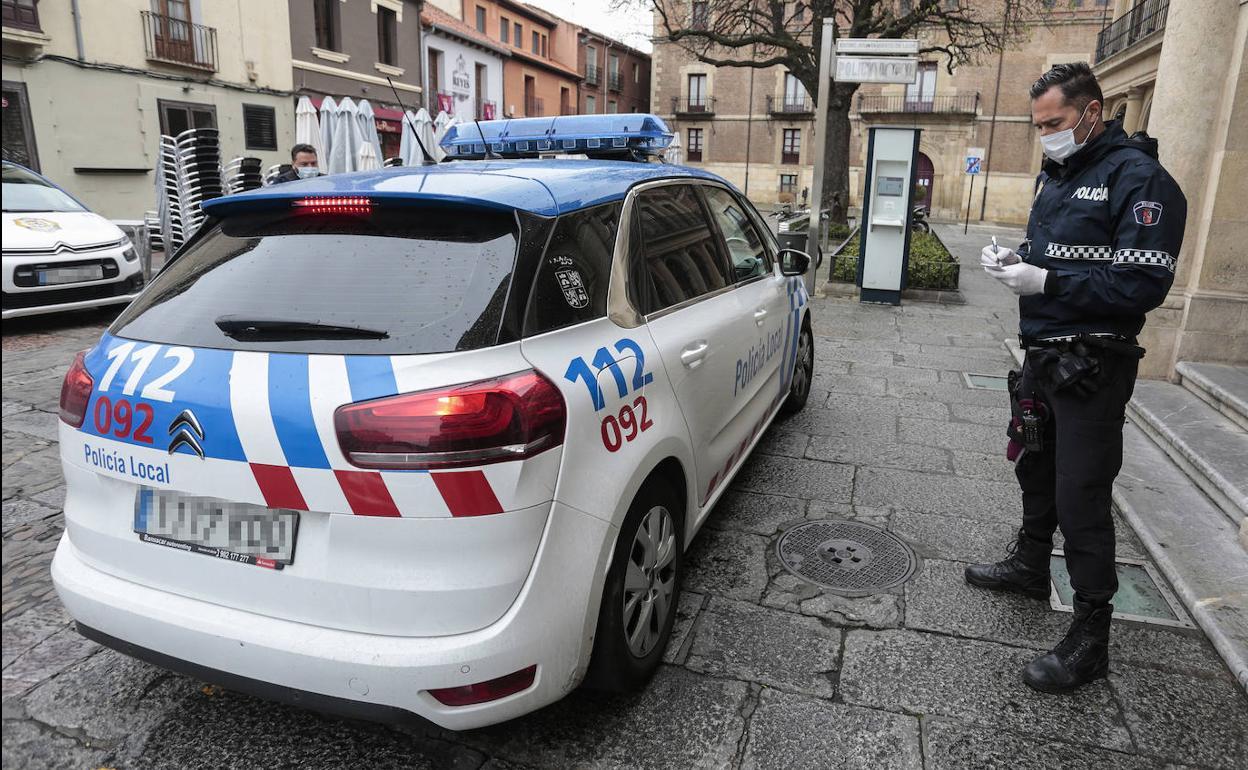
(1107, 225)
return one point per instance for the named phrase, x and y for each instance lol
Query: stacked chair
(243, 174)
(189, 173)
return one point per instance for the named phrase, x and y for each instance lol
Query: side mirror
(794, 262)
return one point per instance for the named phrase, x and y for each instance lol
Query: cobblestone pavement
(764, 670)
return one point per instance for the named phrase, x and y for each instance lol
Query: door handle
(692, 355)
(759, 315)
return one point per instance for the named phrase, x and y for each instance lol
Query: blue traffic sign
(972, 164)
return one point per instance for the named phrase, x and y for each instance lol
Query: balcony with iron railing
(790, 104)
(1145, 19)
(534, 107)
(693, 106)
(959, 104)
(615, 81)
(591, 74)
(174, 41)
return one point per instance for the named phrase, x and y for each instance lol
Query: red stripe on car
(278, 486)
(366, 493)
(467, 493)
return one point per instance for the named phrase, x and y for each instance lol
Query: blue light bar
(632, 136)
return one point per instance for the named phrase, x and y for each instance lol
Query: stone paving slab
(800, 733)
(729, 564)
(29, 745)
(743, 641)
(759, 514)
(807, 479)
(681, 720)
(950, 745)
(882, 452)
(972, 681)
(934, 493)
(1185, 719)
(688, 607)
(953, 537)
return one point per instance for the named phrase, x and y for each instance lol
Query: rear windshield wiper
(274, 329)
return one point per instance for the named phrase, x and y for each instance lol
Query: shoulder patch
(1147, 213)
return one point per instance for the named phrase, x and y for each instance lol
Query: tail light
(509, 418)
(486, 691)
(76, 392)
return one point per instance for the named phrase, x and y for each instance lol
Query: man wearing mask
(302, 164)
(1105, 229)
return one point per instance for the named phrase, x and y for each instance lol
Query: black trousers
(1069, 484)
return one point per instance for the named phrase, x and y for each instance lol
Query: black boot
(1081, 657)
(1024, 571)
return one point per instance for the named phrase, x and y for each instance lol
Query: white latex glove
(1021, 278)
(994, 257)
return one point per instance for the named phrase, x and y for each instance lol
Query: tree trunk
(836, 159)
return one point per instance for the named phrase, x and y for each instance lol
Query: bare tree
(766, 33)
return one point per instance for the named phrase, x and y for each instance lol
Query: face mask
(1061, 145)
(307, 172)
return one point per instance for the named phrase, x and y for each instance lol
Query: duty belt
(1113, 343)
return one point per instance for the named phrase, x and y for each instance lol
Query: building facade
(756, 126)
(87, 95)
(348, 48)
(616, 77)
(1181, 72)
(539, 70)
(464, 67)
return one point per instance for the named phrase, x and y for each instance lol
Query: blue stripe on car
(370, 377)
(290, 402)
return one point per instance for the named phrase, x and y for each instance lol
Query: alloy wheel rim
(649, 581)
(805, 364)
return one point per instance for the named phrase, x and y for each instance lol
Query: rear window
(405, 280)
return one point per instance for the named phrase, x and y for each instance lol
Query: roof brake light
(341, 204)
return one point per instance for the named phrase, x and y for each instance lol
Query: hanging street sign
(868, 69)
(877, 46)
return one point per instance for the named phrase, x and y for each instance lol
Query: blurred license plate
(240, 532)
(57, 275)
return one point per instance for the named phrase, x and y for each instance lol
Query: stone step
(1192, 544)
(1205, 443)
(1222, 386)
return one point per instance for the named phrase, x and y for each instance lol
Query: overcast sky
(631, 25)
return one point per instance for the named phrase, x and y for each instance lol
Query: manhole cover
(849, 558)
(986, 381)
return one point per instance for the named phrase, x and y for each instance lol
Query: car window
(431, 279)
(572, 280)
(745, 244)
(678, 247)
(25, 192)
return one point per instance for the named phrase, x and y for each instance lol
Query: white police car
(57, 254)
(429, 440)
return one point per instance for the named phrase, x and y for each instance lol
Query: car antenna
(428, 159)
(487, 144)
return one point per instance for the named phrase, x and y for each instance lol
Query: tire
(634, 624)
(803, 373)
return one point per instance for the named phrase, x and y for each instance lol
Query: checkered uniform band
(1144, 257)
(1093, 253)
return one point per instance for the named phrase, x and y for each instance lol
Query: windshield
(25, 192)
(396, 281)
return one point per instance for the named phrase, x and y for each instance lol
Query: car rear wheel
(640, 595)
(803, 373)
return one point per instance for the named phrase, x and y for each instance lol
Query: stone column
(1200, 100)
(1135, 106)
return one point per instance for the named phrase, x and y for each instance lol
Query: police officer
(1104, 233)
(303, 165)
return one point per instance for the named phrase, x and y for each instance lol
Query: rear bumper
(362, 675)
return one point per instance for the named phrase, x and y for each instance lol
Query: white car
(57, 254)
(428, 441)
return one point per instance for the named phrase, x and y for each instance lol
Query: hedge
(931, 265)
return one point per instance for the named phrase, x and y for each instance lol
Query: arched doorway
(923, 182)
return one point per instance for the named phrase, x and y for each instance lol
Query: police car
(57, 254)
(430, 440)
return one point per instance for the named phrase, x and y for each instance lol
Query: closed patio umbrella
(329, 110)
(308, 125)
(673, 152)
(345, 148)
(368, 128)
